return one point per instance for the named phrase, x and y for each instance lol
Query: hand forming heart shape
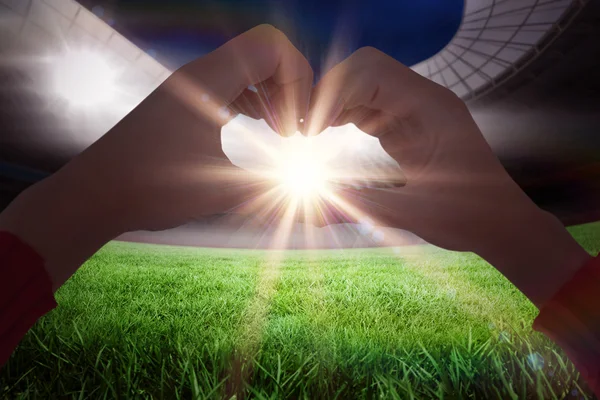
(455, 182)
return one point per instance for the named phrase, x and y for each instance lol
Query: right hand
(458, 195)
(456, 186)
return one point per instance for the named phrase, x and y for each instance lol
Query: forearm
(62, 228)
(541, 258)
(25, 292)
(537, 254)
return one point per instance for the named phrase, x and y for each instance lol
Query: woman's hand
(458, 195)
(163, 164)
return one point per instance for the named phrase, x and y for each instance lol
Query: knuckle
(369, 56)
(453, 98)
(270, 30)
(369, 51)
(446, 98)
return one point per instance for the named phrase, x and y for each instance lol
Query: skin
(163, 164)
(458, 196)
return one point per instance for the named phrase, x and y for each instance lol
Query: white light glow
(301, 179)
(308, 168)
(300, 170)
(84, 78)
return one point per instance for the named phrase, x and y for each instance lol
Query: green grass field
(144, 321)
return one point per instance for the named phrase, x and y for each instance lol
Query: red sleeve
(25, 292)
(572, 320)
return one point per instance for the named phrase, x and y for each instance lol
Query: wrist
(59, 224)
(535, 252)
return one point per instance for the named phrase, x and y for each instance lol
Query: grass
(144, 321)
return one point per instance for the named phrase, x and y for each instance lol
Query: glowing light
(303, 179)
(84, 78)
(310, 174)
(300, 171)
(224, 112)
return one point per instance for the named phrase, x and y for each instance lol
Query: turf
(145, 321)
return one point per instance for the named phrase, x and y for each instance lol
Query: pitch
(147, 321)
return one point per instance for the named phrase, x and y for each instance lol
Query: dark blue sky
(180, 30)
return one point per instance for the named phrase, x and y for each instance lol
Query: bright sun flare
(300, 171)
(303, 179)
(310, 175)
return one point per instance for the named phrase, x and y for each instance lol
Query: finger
(395, 208)
(255, 56)
(248, 103)
(368, 78)
(375, 122)
(324, 109)
(267, 91)
(285, 111)
(258, 103)
(236, 188)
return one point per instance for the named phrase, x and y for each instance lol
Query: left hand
(163, 164)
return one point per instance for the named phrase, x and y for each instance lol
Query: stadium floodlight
(84, 78)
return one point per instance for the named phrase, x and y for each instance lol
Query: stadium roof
(35, 39)
(496, 39)
(49, 27)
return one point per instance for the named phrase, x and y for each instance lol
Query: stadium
(220, 307)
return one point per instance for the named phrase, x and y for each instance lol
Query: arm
(25, 292)
(160, 167)
(458, 195)
(571, 318)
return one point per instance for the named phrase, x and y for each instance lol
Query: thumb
(394, 208)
